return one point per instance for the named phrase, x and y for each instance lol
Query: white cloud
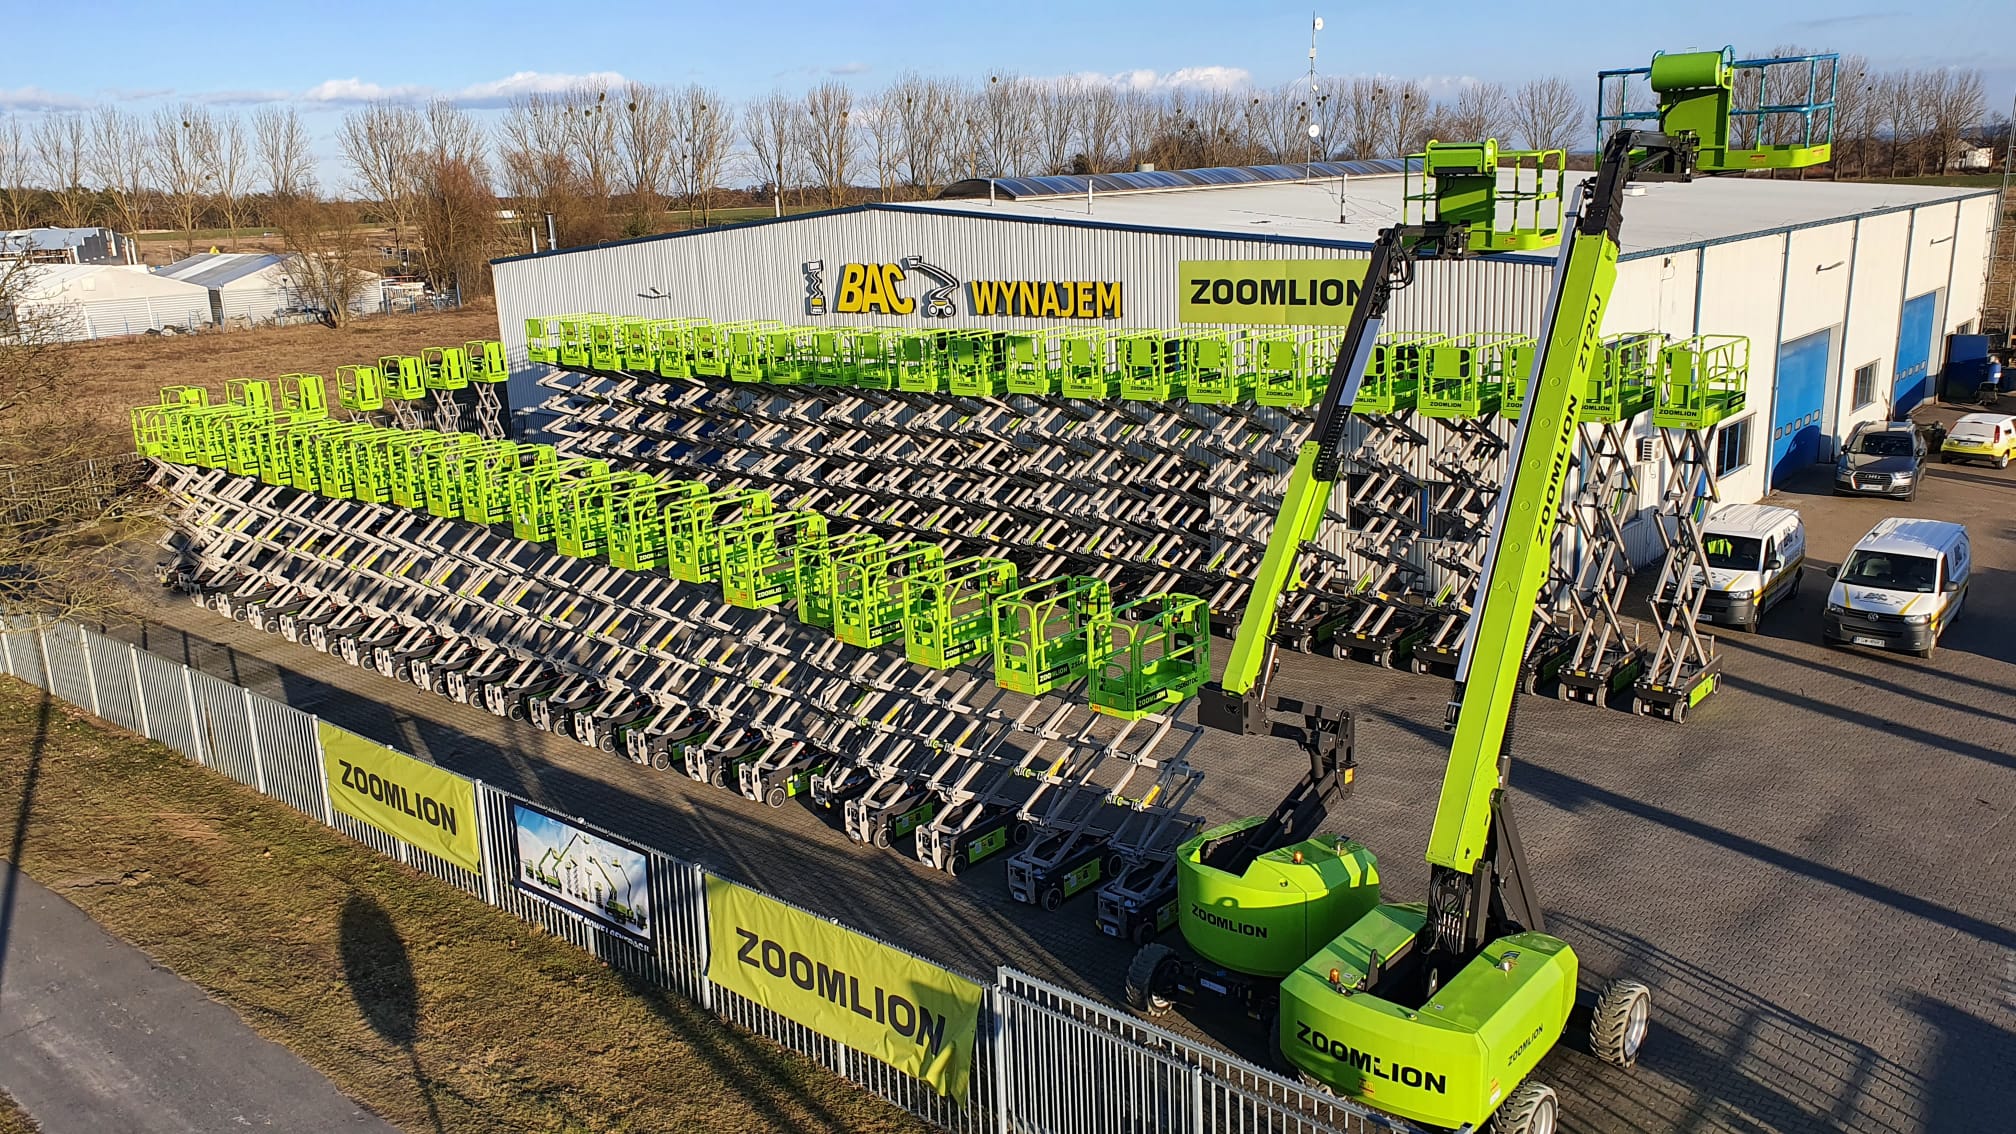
(35, 98)
(354, 89)
(497, 91)
(1210, 78)
(849, 69)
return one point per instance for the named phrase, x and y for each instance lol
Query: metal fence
(1046, 1061)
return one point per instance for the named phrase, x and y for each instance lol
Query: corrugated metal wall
(109, 318)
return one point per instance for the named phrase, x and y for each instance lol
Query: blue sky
(329, 57)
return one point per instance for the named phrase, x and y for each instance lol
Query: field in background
(431, 1008)
(109, 377)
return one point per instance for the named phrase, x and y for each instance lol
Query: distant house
(254, 287)
(70, 246)
(1973, 158)
(99, 301)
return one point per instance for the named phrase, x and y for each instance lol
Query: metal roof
(48, 239)
(1350, 212)
(217, 269)
(1163, 180)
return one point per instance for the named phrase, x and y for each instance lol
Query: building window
(1865, 385)
(1732, 447)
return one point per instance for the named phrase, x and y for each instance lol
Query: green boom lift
(1437, 1011)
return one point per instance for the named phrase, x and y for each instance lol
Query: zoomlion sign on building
(912, 286)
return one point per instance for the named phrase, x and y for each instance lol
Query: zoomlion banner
(1293, 293)
(914, 1016)
(433, 809)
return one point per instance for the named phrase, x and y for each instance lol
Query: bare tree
(221, 155)
(1854, 124)
(455, 210)
(883, 124)
(282, 144)
(1370, 106)
(1140, 116)
(772, 128)
(1957, 105)
(1059, 103)
(828, 140)
(1481, 110)
(60, 142)
(1406, 129)
(1221, 134)
(591, 143)
(930, 111)
(172, 154)
(704, 131)
(1547, 112)
(538, 171)
(381, 142)
(1099, 127)
(17, 162)
(328, 253)
(1333, 107)
(119, 161)
(1005, 125)
(646, 136)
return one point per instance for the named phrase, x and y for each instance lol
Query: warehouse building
(251, 288)
(69, 246)
(1845, 291)
(100, 301)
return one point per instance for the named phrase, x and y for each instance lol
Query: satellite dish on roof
(1315, 130)
(1319, 23)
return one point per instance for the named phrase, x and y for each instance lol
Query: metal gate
(1801, 386)
(1914, 353)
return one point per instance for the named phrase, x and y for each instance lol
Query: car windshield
(1891, 571)
(1733, 552)
(1884, 445)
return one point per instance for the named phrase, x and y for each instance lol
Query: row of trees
(608, 161)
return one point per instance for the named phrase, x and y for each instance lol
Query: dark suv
(1881, 458)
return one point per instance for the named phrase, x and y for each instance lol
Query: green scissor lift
(1049, 634)
(1218, 366)
(1086, 361)
(1150, 365)
(760, 556)
(1697, 95)
(869, 590)
(1157, 653)
(693, 530)
(637, 521)
(949, 609)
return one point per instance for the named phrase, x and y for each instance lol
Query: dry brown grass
(109, 378)
(14, 1120)
(311, 939)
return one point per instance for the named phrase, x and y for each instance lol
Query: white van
(1901, 586)
(1755, 555)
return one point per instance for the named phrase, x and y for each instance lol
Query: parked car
(1900, 588)
(1881, 458)
(1755, 554)
(1989, 437)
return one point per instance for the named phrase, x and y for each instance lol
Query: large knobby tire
(1618, 1025)
(1532, 1109)
(1148, 976)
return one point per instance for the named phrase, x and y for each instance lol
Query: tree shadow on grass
(44, 709)
(379, 972)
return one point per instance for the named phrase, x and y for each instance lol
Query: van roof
(1986, 419)
(1903, 534)
(1749, 519)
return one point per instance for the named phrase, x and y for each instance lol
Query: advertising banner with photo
(605, 881)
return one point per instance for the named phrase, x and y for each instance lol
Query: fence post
(483, 855)
(90, 671)
(139, 691)
(202, 753)
(7, 647)
(699, 912)
(48, 674)
(322, 776)
(1197, 1098)
(252, 731)
(998, 1044)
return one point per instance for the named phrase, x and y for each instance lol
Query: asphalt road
(1812, 873)
(96, 1038)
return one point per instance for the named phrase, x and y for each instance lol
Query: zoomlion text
(909, 1020)
(399, 798)
(1371, 1066)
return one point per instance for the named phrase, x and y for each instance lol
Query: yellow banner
(914, 1016)
(1293, 293)
(409, 799)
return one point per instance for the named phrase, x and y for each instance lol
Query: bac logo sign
(1295, 293)
(912, 286)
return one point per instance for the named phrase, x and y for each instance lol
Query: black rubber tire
(1020, 834)
(662, 761)
(1532, 1109)
(957, 864)
(882, 837)
(2002, 462)
(1925, 653)
(1153, 965)
(1678, 713)
(607, 744)
(1143, 934)
(1051, 898)
(1270, 1021)
(776, 796)
(1618, 1026)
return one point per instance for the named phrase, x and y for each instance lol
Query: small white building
(101, 301)
(248, 288)
(70, 246)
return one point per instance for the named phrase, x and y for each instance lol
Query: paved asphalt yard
(1812, 873)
